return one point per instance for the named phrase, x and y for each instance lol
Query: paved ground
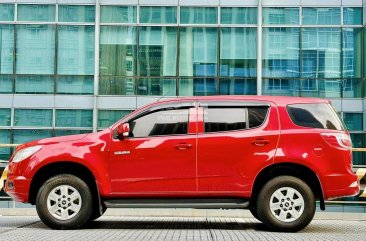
(177, 228)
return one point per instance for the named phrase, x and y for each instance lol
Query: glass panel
(283, 87)
(158, 15)
(352, 52)
(352, 16)
(5, 139)
(281, 16)
(34, 84)
(74, 13)
(352, 88)
(358, 142)
(281, 52)
(156, 86)
(6, 12)
(238, 86)
(6, 83)
(116, 86)
(198, 52)
(33, 12)
(321, 52)
(198, 15)
(5, 116)
(166, 122)
(75, 85)
(157, 51)
(321, 88)
(224, 119)
(118, 14)
(74, 118)
(353, 121)
(117, 51)
(238, 52)
(238, 15)
(194, 87)
(71, 132)
(6, 48)
(107, 118)
(23, 136)
(256, 116)
(75, 50)
(35, 49)
(32, 117)
(321, 16)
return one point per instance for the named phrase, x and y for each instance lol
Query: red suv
(272, 155)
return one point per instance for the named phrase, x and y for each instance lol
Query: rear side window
(164, 122)
(233, 118)
(315, 115)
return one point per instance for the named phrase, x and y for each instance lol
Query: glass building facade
(77, 66)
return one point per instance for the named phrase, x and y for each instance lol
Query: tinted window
(256, 116)
(165, 122)
(225, 119)
(315, 115)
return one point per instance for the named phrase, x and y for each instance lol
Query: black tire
(254, 212)
(96, 214)
(86, 206)
(270, 220)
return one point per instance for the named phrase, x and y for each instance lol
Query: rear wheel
(286, 203)
(254, 212)
(64, 202)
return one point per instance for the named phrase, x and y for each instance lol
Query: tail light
(338, 140)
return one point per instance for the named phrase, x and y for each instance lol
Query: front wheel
(286, 204)
(64, 202)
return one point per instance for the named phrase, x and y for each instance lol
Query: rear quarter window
(317, 115)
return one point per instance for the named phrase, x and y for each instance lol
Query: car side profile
(275, 156)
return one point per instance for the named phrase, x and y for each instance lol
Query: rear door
(236, 141)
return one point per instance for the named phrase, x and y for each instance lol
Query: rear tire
(64, 202)
(254, 212)
(286, 204)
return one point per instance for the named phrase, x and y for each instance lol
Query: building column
(96, 65)
(259, 49)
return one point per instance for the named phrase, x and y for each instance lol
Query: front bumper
(17, 187)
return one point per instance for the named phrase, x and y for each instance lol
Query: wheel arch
(289, 169)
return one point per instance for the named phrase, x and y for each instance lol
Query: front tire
(286, 204)
(64, 202)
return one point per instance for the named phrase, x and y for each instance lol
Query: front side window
(161, 122)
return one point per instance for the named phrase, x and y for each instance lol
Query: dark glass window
(225, 119)
(164, 122)
(315, 116)
(256, 116)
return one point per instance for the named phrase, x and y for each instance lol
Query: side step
(205, 203)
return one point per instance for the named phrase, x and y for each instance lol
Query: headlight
(25, 153)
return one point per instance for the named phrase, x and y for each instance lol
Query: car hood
(53, 140)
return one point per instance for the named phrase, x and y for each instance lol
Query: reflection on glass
(281, 52)
(76, 13)
(321, 52)
(238, 52)
(6, 48)
(198, 15)
(118, 14)
(6, 12)
(358, 141)
(34, 84)
(35, 12)
(353, 121)
(352, 16)
(238, 15)
(166, 15)
(107, 118)
(74, 118)
(33, 117)
(4, 139)
(5, 116)
(116, 86)
(75, 85)
(321, 16)
(117, 51)
(35, 49)
(198, 52)
(197, 87)
(157, 51)
(156, 86)
(281, 16)
(23, 136)
(6, 83)
(75, 53)
(283, 87)
(331, 88)
(238, 86)
(352, 52)
(352, 88)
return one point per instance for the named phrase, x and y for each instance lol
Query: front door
(159, 157)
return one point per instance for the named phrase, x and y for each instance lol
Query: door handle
(260, 142)
(183, 146)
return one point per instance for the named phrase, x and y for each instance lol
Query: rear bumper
(337, 186)
(17, 187)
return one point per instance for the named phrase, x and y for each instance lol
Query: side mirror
(123, 130)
